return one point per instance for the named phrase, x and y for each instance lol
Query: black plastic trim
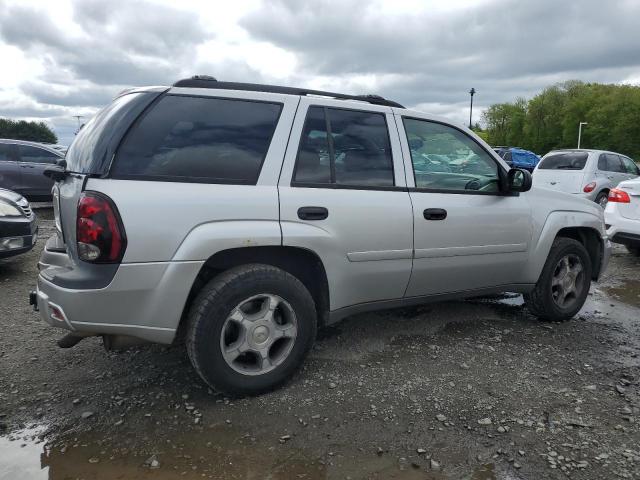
(256, 87)
(626, 238)
(339, 314)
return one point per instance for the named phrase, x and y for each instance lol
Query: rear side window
(344, 147)
(29, 154)
(565, 161)
(199, 139)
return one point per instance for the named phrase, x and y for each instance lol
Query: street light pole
(580, 132)
(471, 92)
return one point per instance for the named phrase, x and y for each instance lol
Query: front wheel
(250, 328)
(564, 283)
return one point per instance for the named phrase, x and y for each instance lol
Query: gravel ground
(457, 390)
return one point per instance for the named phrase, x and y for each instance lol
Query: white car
(622, 215)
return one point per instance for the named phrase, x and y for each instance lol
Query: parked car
(22, 165)
(588, 173)
(518, 157)
(247, 216)
(18, 227)
(622, 215)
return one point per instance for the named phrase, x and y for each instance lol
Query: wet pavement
(471, 390)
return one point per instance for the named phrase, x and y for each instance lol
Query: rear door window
(564, 161)
(199, 139)
(29, 154)
(344, 147)
(614, 164)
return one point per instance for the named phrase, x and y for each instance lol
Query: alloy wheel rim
(259, 334)
(567, 281)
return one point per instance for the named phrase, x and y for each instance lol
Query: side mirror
(519, 180)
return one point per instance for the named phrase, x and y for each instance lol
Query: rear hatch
(90, 154)
(562, 171)
(630, 210)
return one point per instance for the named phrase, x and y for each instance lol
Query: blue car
(518, 158)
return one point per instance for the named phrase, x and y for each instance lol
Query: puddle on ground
(219, 453)
(628, 292)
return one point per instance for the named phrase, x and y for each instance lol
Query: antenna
(78, 117)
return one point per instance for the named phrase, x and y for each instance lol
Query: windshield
(565, 161)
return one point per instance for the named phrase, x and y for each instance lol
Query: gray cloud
(503, 48)
(506, 47)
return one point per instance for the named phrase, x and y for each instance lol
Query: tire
(547, 301)
(602, 198)
(633, 250)
(234, 313)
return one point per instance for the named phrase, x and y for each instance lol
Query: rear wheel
(250, 328)
(602, 199)
(633, 250)
(564, 283)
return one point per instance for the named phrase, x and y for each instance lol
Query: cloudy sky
(66, 58)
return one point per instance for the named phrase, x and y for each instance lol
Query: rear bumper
(143, 300)
(623, 230)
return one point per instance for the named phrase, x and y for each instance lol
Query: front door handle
(435, 214)
(312, 213)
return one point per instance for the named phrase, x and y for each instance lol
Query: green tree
(23, 130)
(550, 119)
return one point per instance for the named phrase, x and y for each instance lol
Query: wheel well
(590, 239)
(303, 264)
(603, 190)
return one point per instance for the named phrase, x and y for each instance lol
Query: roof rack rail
(207, 81)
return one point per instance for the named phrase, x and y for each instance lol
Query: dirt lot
(457, 390)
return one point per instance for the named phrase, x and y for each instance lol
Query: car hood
(562, 201)
(10, 195)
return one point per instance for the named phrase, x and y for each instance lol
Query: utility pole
(78, 117)
(471, 92)
(580, 132)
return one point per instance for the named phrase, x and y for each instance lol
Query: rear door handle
(435, 214)
(312, 213)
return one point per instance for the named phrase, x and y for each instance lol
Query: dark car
(18, 228)
(22, 165)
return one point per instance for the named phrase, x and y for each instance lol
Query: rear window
(199, 139)
(94, 145)
(564, 161)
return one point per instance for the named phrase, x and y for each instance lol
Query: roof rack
(207, 81)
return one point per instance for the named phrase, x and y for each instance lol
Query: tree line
(550, 119)
(23, 130)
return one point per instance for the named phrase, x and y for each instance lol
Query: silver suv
(244, 217)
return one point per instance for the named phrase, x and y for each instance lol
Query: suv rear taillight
(619, 196)
(99, 231)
